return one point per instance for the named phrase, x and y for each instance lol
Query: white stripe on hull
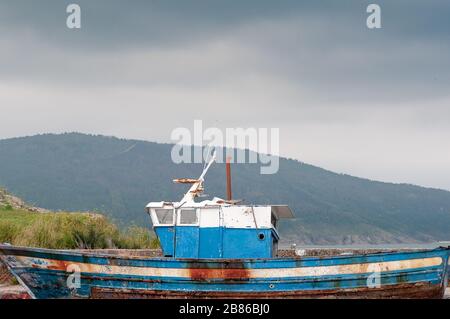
(347, 269)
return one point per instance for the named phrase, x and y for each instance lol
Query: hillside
(24, 225)
(119, 177)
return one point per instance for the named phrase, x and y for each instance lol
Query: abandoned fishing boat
(223, 249)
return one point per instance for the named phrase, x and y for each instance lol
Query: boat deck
(308, 252)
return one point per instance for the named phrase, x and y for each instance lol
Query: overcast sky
(371, 103)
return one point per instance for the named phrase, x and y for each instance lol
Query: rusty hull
(115, 279)
(403, 291)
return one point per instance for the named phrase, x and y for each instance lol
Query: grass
(69, 231)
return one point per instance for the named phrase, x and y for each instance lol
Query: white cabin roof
(282, 211)
(214, 202)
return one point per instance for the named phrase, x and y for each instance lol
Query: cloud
(368, 102)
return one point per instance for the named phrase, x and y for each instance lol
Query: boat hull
(71, 274)
(399, 291)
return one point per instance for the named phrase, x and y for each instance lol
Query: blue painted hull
(47, 274)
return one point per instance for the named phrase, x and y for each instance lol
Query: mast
(228, 168)
(197, 184)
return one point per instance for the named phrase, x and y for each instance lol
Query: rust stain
(231, 271)
(57, 265)
(225, 274)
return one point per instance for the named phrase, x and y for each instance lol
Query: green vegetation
(69, 231)
(77, 172)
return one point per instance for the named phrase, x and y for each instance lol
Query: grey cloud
(322, 48)
(117, 23)
(343, 96)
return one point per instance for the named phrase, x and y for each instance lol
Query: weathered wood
(404, 291)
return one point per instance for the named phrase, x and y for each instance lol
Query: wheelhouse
(211, 230)
(216, 228)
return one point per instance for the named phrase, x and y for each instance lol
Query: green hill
(24, 225)
(119, 177)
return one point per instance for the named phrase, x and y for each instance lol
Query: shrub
(7, 207)
(70, 231)
(137, 238)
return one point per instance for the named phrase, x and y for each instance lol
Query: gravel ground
(17, 292)
(13, 292)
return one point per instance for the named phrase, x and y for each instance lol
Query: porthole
(261, 236)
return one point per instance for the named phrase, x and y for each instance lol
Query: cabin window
(188, 217)
(165, 216)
